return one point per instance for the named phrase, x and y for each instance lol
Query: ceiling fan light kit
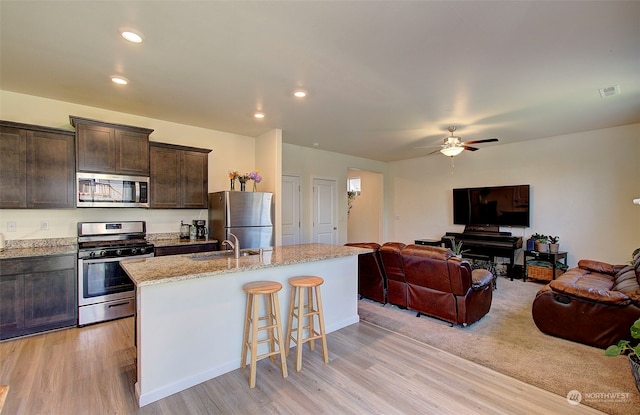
(453, 145)
(452, 151)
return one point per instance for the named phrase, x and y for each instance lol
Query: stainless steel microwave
(106, 190)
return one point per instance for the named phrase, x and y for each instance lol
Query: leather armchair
(371, 278)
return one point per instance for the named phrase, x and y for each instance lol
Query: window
(353, 185)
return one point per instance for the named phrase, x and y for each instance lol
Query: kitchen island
(190, 308)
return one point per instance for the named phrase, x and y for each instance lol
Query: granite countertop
(160, 270)
(39, 247)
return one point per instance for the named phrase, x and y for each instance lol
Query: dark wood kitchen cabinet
(111, 148)
(37, 294)
(37, 167)
(179, 176)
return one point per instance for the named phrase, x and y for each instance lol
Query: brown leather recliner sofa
(429, 280)
(594, 304)
(371, 279)
(390, 254)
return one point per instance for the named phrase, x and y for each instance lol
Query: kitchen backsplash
(39, 243)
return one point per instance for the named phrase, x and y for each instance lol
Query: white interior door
(290, 210)
(325, 229)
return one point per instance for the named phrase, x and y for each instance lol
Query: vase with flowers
(243, 178)
(233, 175)
(255, 176)
(243, 182)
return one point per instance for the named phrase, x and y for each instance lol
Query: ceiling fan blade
(434, 152)
(423, 147)
(488, 140)
(469, 148)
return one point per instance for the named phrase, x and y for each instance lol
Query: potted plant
(624, 347)
(542, 242)
(554, 246)
(457, 248)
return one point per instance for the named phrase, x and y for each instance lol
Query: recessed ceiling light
(119, 80)
(131, 36)
(300, 93)
(259, 115)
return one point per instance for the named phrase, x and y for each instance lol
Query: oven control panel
(115, 252)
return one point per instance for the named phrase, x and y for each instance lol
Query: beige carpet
(507, 340)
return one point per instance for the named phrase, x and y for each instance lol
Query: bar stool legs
(306, 313)
(252, 323)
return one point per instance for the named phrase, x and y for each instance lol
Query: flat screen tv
(495, 205)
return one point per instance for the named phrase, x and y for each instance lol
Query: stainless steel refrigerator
(248, 215)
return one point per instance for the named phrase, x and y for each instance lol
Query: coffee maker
(201, 228)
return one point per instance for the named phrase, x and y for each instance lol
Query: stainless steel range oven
(105, 292)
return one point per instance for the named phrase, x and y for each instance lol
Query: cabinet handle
(119, 304)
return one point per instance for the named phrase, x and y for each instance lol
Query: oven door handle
(117, 259)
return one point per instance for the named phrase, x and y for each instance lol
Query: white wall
(582, 187)
(269, 164)
(365, 221)
(230, 152)
(309, 163)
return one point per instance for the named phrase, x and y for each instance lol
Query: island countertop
(160, 270)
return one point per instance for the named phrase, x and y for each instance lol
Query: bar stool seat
(270, 322)
(305, 312)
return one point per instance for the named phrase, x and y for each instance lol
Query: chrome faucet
(233, 245)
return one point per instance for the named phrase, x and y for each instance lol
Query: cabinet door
(132, 153)
(95, 148)
(164, 178)
(11, 304)
(13, 168)
(50, 171)
(50, 298)
(193, 184)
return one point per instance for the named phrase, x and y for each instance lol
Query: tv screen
(496, 205)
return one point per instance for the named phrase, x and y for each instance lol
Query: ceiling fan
(454, 145)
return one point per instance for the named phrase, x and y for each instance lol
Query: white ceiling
(383, 77)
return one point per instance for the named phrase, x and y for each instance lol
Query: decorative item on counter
(193, 232)
(184, 231)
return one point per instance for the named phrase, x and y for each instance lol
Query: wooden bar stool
(306, 313)
(272, 325)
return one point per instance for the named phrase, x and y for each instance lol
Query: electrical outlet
(11, 226)
(44, 225)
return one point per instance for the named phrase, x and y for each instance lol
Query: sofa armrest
(481, 279)
(589, 292)
(599, 266)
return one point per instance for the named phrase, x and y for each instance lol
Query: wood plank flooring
(91, 370)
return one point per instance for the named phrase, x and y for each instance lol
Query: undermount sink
(223, 254)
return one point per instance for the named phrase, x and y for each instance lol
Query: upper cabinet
(37, 167)
(179, 177)
(111, 148)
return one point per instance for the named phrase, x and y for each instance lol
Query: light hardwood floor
(91, 370)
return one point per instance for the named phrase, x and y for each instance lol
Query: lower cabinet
(37, 294)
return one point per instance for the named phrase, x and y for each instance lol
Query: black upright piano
(487, 245)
